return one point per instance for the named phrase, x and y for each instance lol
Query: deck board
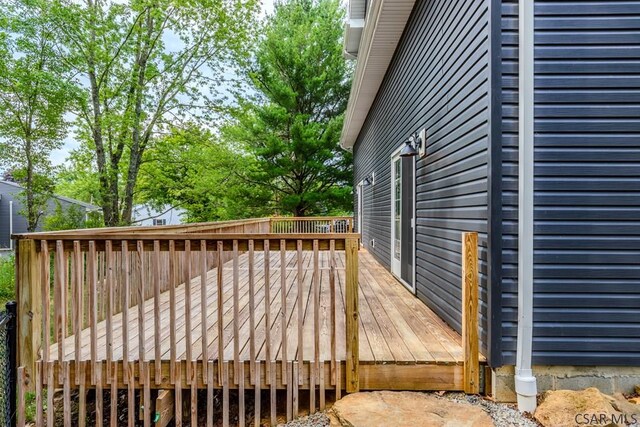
(395, 327)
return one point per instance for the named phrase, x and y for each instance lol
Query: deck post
(352, 315)
(470, 313)
(29, 296)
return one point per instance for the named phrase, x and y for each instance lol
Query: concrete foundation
(608, 379)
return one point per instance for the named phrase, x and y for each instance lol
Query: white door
(359, 208)
(402, 219)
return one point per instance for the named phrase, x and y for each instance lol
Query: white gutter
(383, 28)
(525, 382)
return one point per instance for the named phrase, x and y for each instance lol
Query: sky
(58, 157)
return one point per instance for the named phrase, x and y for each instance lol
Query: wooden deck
(402, 343)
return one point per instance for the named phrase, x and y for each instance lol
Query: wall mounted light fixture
(415, 145)
(369, 180)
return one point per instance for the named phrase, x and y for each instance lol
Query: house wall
(438, 79)
(144, 215)
(587, 177)
(11, 192)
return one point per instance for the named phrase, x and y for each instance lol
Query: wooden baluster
(322, 387)
(99, 399)
(204, 304)
(225, 394)
(210, 396)
(299, 302)
(252, 315)
(113, 416)
(241, 408)
(272, 393)
(219, 282)
(257, 395)
(60, 305)
(92, 271)
(81, 373)
(78, 267)
(283, 308)
(236, 314)
(131, 395)
(316, 311)
(178, 394)
(45, 278)
(267, 310)
(312, 390)
(39, 394)
(66, 394)
(141, 310)
(338, 380)
(187, 307)
(22, 385)
(126, 303)
(157, 335)
(109, 304)
(173, 275)
(194, 393)
(332, 305)
(50, 393)
(146, 391)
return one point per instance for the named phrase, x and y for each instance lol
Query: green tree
(34, 97)
(144, 65)
(292, 125)
(193, 169)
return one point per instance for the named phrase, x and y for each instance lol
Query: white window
(159, 222)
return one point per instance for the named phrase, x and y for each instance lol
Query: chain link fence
(7, 377)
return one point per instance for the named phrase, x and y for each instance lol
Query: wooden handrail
(85, 268)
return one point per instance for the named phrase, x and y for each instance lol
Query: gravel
(503, 415)
(319, 419)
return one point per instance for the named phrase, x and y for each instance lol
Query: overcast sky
(58, 157)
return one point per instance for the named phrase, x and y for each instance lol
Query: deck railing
(336, 224)
(187, 307)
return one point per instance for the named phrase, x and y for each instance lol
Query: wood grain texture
(164, 408)
(352, 316)
(21, 407)
(470, 312)
(30, 300)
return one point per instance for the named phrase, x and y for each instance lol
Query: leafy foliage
(191, 168)
(144, 66)
(35, 93)
(292, 126)
(7, 278)
(71, 218)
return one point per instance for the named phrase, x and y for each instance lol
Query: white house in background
(146, 215)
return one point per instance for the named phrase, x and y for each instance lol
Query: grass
(7, 279)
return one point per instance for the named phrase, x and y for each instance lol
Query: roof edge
(384, 25)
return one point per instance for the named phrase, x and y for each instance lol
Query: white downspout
(525, 382)
(10, 224)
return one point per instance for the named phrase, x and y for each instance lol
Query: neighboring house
(12, 221)
(146, 215)
(554, 197)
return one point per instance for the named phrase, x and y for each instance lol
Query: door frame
(360, 208)
(412, 287)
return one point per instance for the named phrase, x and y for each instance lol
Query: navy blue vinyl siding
(509, 178)
(438, 79)
(587, 182)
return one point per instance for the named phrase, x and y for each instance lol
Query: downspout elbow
(526, 390)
